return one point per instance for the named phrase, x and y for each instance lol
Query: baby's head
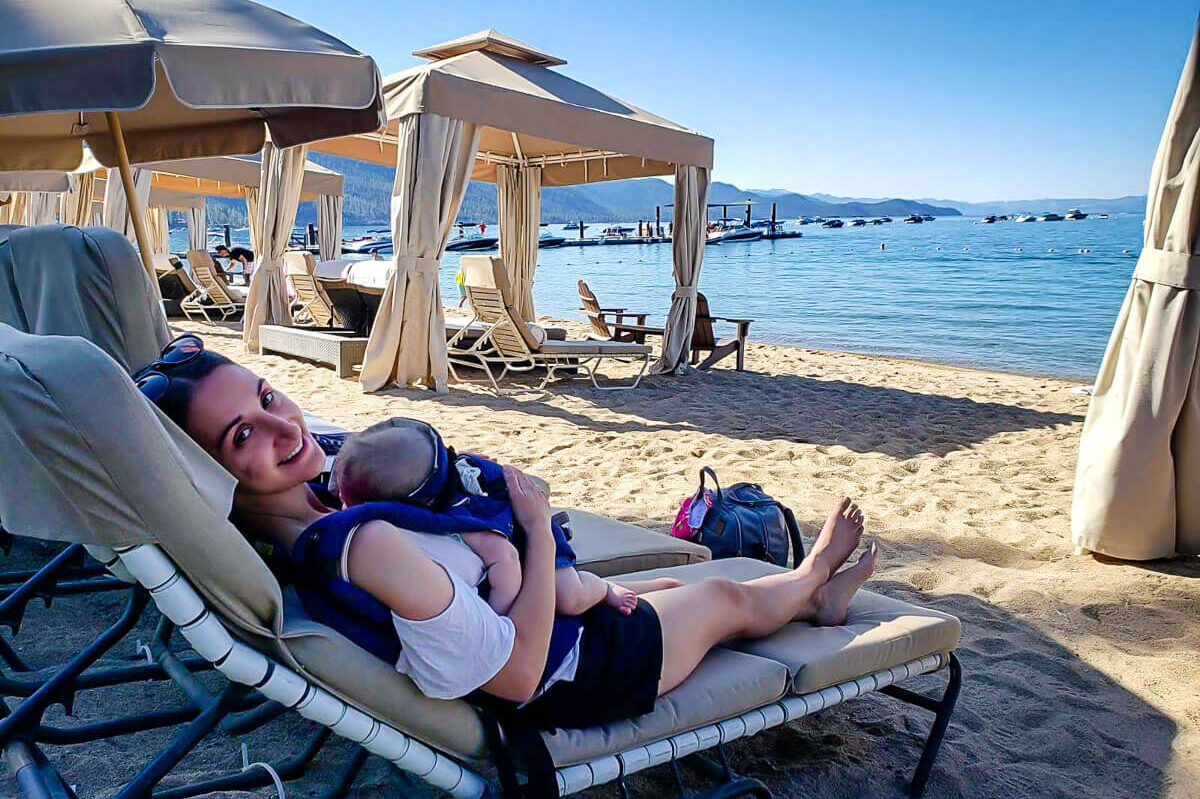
(383, 462)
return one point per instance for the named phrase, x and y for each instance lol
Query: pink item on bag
(691, 514)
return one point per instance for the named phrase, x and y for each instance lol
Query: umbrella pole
(135, 211)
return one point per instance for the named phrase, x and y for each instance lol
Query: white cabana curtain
(158, 229)
(13, 207)
(76, 205)
(687, 245)
(116, 211)
(267, 300)
(329, 226)
(519, 203)
(251, 194)
(433, 167)
(1136, 494)
(40, 207)
(197, 227)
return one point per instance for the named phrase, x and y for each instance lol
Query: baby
(404, 460)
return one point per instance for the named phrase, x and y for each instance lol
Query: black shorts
(620, 663)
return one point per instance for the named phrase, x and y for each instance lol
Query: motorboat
(877, 221)
(1102, 216)
(548, 239)
(927, 218)
(1050, 216)
(913, 219)
(858, 222)
(575, 227)
(990, 219)
(469, 238)
(367, 245)
(729, 230)
(804, 220)
(885, 219)
(832, 223)
(1075, 213)
(1025, 218)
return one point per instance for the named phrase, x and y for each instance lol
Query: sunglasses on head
(153, 381)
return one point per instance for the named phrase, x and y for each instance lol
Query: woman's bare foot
(833, 599)
(840, 535)
(621, 598)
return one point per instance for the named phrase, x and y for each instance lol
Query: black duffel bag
(747, 522)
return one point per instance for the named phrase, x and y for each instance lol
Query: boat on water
(913, 219)
(858, 222)
(990, 219)
(548, 239)
(723, 231)
(367, 245)
(877, 221)
(1025, 218)
(1075, 213)
(927, 217)
(1102, 216)
(1050, 216)
(469, 238)
(575, 227)
(832, 223)
(885, 219)
(804, 220)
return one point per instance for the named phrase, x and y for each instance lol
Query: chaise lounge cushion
(880, 632)
(606, 546)
(593, 348)
(725, 684)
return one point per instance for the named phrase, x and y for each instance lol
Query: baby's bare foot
(840, 535)
(833, 598)
(621, 598)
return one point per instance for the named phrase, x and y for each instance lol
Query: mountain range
(368, 188)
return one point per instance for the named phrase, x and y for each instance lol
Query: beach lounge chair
(214, 294)
(619, 329)
(705, 340)
(510, 345)
(311, 306)
(129, 480)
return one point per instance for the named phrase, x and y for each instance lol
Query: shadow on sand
(863, 418)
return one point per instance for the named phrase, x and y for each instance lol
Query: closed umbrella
(1135, 485)
(148, 80)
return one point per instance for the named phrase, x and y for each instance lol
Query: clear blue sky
(960, 100)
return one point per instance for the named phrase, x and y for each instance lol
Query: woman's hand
(531, 506)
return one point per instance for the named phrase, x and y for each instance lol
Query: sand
(1081, 675)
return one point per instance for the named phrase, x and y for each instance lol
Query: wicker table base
(343, 350)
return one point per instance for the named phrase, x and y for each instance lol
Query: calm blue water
(975, 301)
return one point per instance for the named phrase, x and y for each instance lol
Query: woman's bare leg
(697, 617)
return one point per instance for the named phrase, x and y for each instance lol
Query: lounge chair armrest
(639, 317)
(730, 319)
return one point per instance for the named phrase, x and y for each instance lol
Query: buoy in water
(1018, 249)
(1050, 250)
(882, 246)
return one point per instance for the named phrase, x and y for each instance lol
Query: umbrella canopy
(190, 78)
(529, 115)
(37, 180)
(1135, 485)
(228, 176)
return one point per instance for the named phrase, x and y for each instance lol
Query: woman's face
(255, 432)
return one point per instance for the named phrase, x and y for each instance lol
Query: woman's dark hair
(184, 379)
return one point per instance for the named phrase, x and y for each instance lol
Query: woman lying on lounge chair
(408, 587)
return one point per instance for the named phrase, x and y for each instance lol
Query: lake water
(1007, 296)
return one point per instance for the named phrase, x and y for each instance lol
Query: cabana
(489, 107)
(183, 185)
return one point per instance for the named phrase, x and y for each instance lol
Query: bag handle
(718, 495)
(789, 519)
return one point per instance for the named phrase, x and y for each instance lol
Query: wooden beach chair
(510, 345)
(163, 506)
(619, 329)
(213, 294)
(704, 339)
(311, 306)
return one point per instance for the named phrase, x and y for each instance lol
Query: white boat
(858, 222)
(469, 238)
(1075, 213)
(727, 230)
(913, 219)
(1050, 216)
(1026, 218)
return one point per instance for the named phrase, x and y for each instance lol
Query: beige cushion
(593, 348)
(725, 684)
(879, 633)
(375, 687)
(606, 546)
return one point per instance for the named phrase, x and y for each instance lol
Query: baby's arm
(576, 592)
(503, 566)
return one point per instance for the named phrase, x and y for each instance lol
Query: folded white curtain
(7, 202)
(282, 174)
(433, 167)
(76, 205)
(329, 226)
(197, 227)
(252, 213)
(687, 246)
(1136, 494)
(158, 229)
(519, 203)
(29, 208)
(116, 211)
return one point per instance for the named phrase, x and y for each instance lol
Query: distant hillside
(1129, 204)
(368, 193)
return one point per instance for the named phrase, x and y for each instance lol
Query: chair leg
(719, 352)
(943, 709)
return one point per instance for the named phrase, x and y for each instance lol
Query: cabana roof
(530, 115)
(227, 176)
